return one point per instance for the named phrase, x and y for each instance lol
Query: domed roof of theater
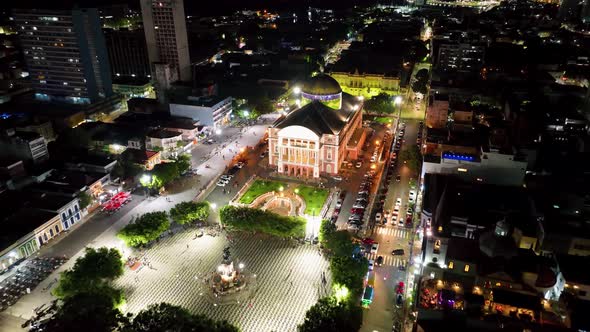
(321, 84)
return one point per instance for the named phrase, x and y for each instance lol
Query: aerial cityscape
(281, 166)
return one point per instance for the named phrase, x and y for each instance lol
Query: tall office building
(128, 55)
(165, 33)
(65, 54)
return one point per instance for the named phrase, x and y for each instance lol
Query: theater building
(316, 138)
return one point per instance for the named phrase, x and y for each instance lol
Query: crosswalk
(395, 231)
(389, 260)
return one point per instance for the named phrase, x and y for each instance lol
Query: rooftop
(22, 223)
(570, 266)
(320, 118)
(163, 133)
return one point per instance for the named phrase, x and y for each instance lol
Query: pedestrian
(187, 247)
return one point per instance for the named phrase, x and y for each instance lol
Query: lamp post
(145, 180)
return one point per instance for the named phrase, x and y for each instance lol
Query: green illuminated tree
(329, 315)
(381, 103)
(187, 212)
(145, 229)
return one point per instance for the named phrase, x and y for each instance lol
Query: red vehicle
(400, 288)
(409, 221)
(368, 241)
(357, 210)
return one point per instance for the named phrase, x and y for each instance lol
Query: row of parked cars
(355, 221)
(226, 178)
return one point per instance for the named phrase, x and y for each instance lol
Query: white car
(396, 209)
(378, 217)
(393, 218)
(374, 248)
(222, 182)
(337, 177)
(398, 201)
(371, 264)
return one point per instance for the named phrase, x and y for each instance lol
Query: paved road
(383, 311)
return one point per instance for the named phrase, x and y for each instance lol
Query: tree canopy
(249, 219)
(85, 200)
(187, 212)
(330, 315)
(145, 229)
(381, 103)
(164, 173)
(167, 317)
(411, 157)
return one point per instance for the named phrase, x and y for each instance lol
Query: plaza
(288, 279)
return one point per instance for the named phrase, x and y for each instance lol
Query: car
(373, 158)
(357, 210)
(363, 192)
(355, 227)
(409, 221)
(359, 164)
(393, 218)
(222, 182)
(379, 261)
(240, 164)
(226, 177)
(337, 177)
(398, 201)
(263, 154)
(339, 203)
(386, 214)
(359, 205)
(396, 209)
(368, 240)
(371, 264)
(398, 178)
(400, 222)
(398, 252)
(412, 193)
(411, 199)
(378, 217)
(374, 248)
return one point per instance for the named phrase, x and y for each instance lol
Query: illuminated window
(451, 265)
(440, 229)
(498, 284)
(466, 268)
(436, 247)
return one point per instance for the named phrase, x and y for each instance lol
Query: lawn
(384, 120)
(258, 188)
(314, 199)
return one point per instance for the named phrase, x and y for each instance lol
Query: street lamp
(241, 266)
(218, 131)
(296, 90)
(213, 206)
(246, 113)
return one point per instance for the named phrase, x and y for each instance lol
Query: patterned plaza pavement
(289, 279)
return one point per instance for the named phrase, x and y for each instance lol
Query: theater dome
(322, 88)
(321, 85)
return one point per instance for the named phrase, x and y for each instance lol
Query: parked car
(399, 289)
(368, 240)
(398, 252)
(240, 164)
(359, 164)
(378, 217)
(393, 218)
(398, 178)
(337, 177)
(222, 182)
(371, 264)
(399, 300)
(374, 248)
(339, 203)
(398, 201)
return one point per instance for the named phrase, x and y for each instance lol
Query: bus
(371, 279)
(367, 296)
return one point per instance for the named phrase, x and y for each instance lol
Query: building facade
(367, 84)
(314, 139)
(65, 54)
(28, 146)
(462, 57)
(211, 112)
(128, 55)
(165, 34)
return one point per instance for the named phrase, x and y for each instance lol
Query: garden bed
(258, 188)
(314, 198)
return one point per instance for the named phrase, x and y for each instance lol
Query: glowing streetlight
(242, 150)
(296, 190)
(377, 142)
(361, 98)
(341, 292)
(218, 131)
(296, 90)
(241, 266)
(145, 179)
(397, 100)
(246, 113)
(213, 206)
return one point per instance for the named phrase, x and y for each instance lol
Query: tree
(85, 200)
(340, 243)
(145, 229)
(249, 219)
(381, 103)
(349, 271)
(329, 315)
(167, 317)
(187, 212)
(89, 312)
(422, 75)
(183, 163)
(263, 105)
(327, 228)
(91, 272)
(411, 157)
(420, 87)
